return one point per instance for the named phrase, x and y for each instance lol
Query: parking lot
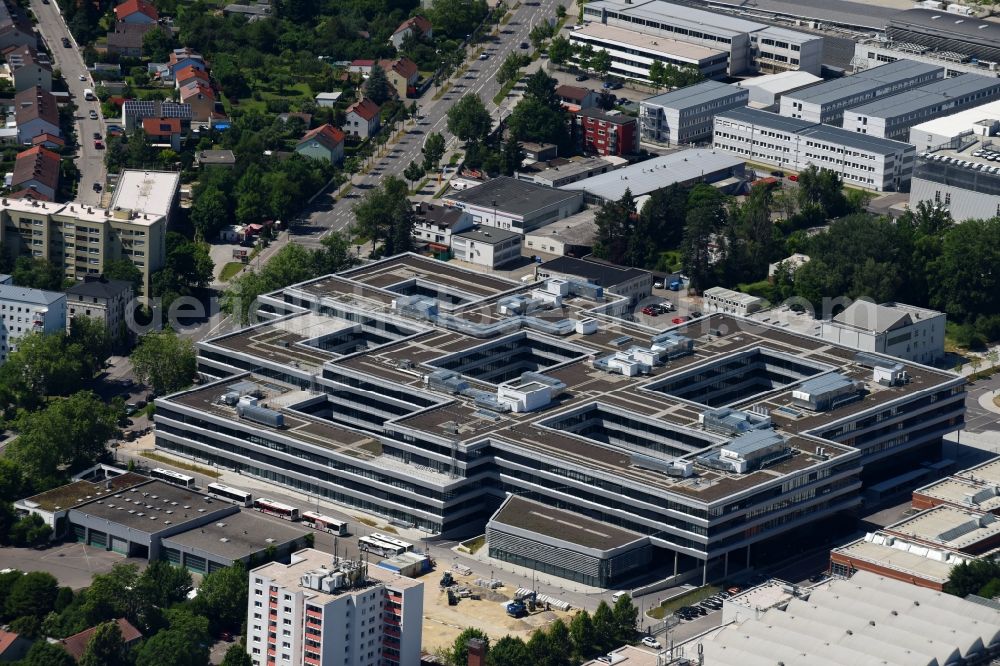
(73, 564)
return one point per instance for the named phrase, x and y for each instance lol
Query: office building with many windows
(427, 394)
(790, 143)
(686, 115)
(321, 610)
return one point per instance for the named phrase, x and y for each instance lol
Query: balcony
(310, 661)
(314, 614)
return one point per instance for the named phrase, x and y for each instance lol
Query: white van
(618, 595)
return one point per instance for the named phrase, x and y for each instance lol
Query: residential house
(15, 27)
(28, 68)
(125, 39)
(402, 74)
(77, 643)
(326, 142)
(181, 58)
(200, 97)
(434, 225)
(190, 74)
(216, 158)
(361, 66)
(103, 300)
(163, 132)
(328, 99)
(486, 246)
(607, 133)
(134, 111)
(13, 646)
(417, 26)
(362, 119)
(37, 169)
(575, 96)
(35, 113)
(136, 11)
(50, 141)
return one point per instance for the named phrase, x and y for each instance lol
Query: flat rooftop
(937, 22)
(781, 82)
(562, 525)
(629, 655)
(81, 492)
(649, 43)
(766, 595)
(676, 14)
(987, 472)
(958, 123)
(154, 506)
(683, 166)
(577, 229)
(151, 192)
(904, 561)
(948, 526)
(509, 195)
(958, 491)
(239, 535)
(938, 93)
(867, 79)
(692, 96)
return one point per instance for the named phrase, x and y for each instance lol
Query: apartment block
(744, 46)
(25, 311)
(421, 392)
(892, 117)
(866, 161)
(686, 115)
(826, 102)
(321, 610)
(607, 133)
(84, 238)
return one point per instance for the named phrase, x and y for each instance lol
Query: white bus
(172, 477)
(399, 543)
(369, 544)
(325, 523)
(230, 494)
(278, 509)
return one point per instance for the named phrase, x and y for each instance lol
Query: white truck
(89, 95)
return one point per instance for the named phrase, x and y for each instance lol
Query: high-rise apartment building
(319, 610)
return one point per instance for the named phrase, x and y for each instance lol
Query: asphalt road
(89, 160)
(331, 214)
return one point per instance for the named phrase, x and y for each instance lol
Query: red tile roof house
(163, 132)
(189, 73)
(577, 96)
(326, 142)
(136, 11)
(37, 169)
(418, 27)
(13, 646)
(50, 141)
(201, 99)
(77, 643)
(402, 74)
(360, 66)
(362, 119)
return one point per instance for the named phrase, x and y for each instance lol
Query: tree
(124, 269)
(37, 274)
(90, 336)
(459, 653)
(222, 597)
(43, 653)
(824, 188)
(157, 44)
(413, 172)
(237, 655)
(433, 150)
(560, 11)
(615, 228)
(210, 212)
(106, 647)
(605, 633)
(970, 577)
(626, 617)
(172, 648)
(377, 88)
(511, 157)
(561, 50)
(540, 649)
(601, 62)
(508, 651)
(30, 530)
(165, 361)
(532, 120)
(70, 432)
(581, 632)
(163, 584)
(34, 594)
(469, 120)
(559, 640)
(385, 214)
(113, 595)
(963, 280)
(658, 73)
(42, 365)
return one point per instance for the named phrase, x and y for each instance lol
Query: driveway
(73, 564)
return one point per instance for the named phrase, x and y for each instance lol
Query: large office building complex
(686, 115)
(790, 143)
(321, 610)
(417, 391)
(892, 117)
(83, 238)
(876, 51)
(826, 102)
(748, 46)
(955, 34)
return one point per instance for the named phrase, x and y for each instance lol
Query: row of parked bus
(244, 498)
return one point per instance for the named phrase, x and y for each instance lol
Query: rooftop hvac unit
(891, 376)
(262, 415)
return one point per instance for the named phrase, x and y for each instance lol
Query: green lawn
(231, 269)
(180, 465)
(686, 599)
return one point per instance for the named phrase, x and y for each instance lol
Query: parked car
(651, 642)
(98, 187)
(97, 136)
(650, 311)
(695, 314)
(582, 77)
(93, 114)
(484, 56)
(679, 320)
(794, 178)
(615, 85)
(524, 45)
(99, 145)
(778, 174)
(83, 78)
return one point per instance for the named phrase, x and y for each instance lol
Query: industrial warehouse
(429, 395)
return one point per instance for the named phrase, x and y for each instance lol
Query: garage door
(79, 533)
(99, 539)
(119, 545)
